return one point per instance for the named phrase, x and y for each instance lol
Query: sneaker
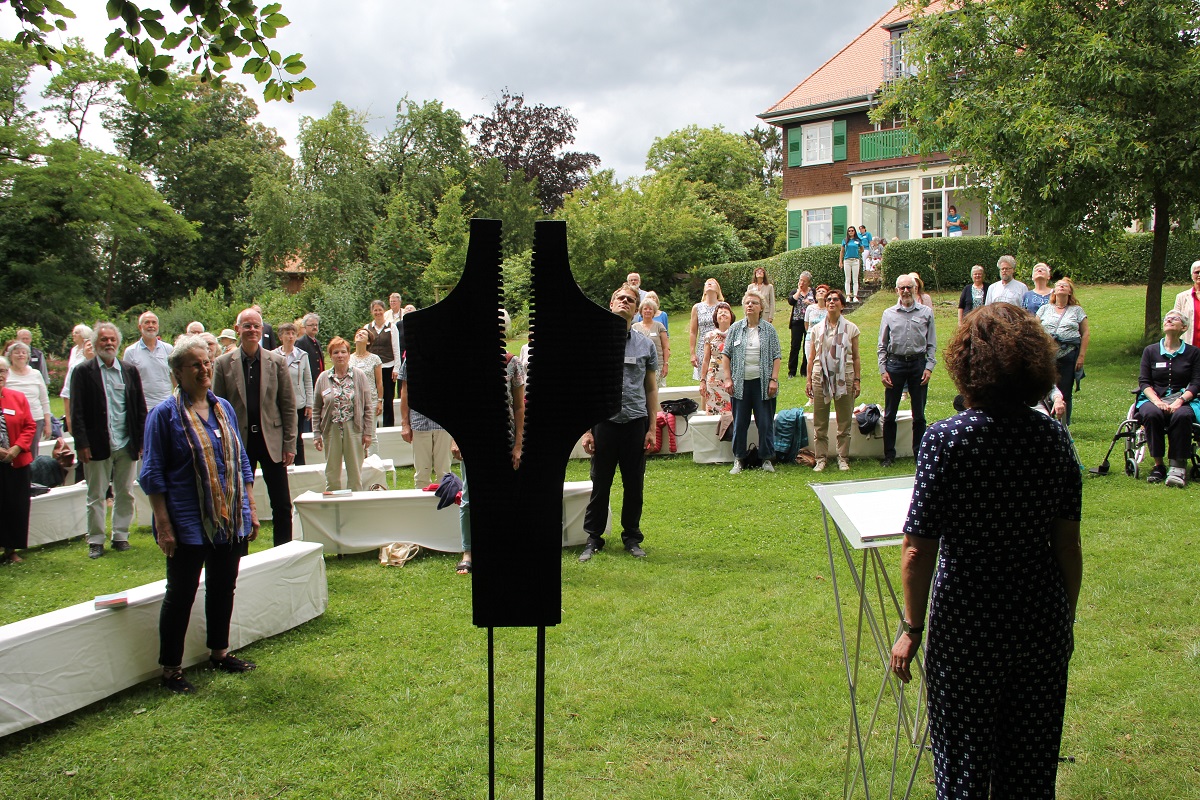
(887, 462)
(590, 549)
(843, 465)
(1175, 477)
(178, 684)
(121, 547)
(1156, 475)
(228, 663)
(737, 467)
(768, 466)
(635, 550)
(820, 467)
(95, 550)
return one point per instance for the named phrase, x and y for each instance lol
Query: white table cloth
(368, 520)
(59, 662)
(308, 478)
(707, 449)
(391, 446)
(58, 515)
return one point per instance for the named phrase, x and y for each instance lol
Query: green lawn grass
(710, 669)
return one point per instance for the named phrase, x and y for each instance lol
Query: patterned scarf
(220, 506)
(833, 358)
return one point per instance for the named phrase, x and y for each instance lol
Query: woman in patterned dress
(995, 511)
(702, 322)
(712, 391)
(371, 365)
(834, 378)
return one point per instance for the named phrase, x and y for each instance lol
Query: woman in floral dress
(716, 399)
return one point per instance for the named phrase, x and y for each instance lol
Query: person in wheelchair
(1169, 382)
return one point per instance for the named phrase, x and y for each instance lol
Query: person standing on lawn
(907, 354)
(148, 355)
(623, 439)
(1008, 289)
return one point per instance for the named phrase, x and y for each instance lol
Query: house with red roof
(842, 169)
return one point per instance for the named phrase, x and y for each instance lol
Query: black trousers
(275, 474)
(1175, 427)
(220, 564)
(904, 374)
(303, 426)
(618, 444)
(389, 394)
(794, 351)
(14, 507)
(1066, 379)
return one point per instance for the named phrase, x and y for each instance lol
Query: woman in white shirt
(81, 335)
(302, 382)
(29, 382)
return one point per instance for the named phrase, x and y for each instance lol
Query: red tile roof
(854, 71)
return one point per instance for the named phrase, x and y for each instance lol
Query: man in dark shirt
(311, 345)
(256, 383)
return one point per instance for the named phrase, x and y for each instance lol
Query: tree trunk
(112, 273)
(1158, 266)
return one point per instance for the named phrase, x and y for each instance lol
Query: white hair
(102, 326)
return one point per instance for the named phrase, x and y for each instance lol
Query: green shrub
(783, 269)
(212, 309)
(343, 304)
(945, 264)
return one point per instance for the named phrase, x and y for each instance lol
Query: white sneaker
(737, 467)
(768, 466)
(843, 465)
(820, 467)
(1175, 477)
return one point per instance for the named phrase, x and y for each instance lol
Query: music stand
(869, 519)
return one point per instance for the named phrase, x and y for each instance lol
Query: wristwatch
(913, 631)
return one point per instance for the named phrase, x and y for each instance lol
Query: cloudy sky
(629, 70)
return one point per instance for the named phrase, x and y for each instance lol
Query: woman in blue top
(750, 367)
(954, 223)
(1041, 292)
(851, 261)
(198, 478)
(1170, 380)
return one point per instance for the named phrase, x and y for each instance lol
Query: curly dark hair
(1001, 356)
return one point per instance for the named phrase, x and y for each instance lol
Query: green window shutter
(795, 220)
(839, 222)
(794, 143)
(839, 141)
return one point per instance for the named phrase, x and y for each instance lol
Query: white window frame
(819, 134)
(823, 218)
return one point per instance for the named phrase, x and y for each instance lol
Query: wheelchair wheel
(1131, 468)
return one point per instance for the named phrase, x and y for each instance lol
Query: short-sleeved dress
(988, 485)
(717, 401)
(704, 324)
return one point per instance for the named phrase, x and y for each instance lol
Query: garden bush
(784, 270)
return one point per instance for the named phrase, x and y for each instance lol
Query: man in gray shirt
(148, 355)
(907, 354)
(1007, 289)
(624, 439)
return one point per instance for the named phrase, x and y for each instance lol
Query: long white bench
(59, 662)
(391, 446)
(708, 449)
(58, 515)
(307, 478)
(368, 520)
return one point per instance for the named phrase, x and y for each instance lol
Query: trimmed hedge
(945, 264)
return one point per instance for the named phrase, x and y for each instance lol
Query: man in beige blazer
(1187, 303)
(256, 383)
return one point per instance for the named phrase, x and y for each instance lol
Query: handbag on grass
(397, 554)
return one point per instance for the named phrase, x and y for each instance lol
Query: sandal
(228, 663)
(463, 567)
(1157, 474)
(178, 684)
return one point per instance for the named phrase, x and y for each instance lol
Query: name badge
(1161, 365)
(631, 360)
(217, 432)
(10, 412)
(327, 392)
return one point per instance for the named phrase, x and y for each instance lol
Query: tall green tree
(1079, 118)
(85, 84)
(512, 199)
(400, 251)
(707, 155)
(426, 142)
(451, 232)
(19, 131)
(656, 225)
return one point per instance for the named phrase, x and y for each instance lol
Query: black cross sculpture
(456, 376)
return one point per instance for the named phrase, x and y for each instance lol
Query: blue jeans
(752, 401)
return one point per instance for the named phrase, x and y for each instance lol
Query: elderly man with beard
(148, 355)
(1008, 289)
(108, 414)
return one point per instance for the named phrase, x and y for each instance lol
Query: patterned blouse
(342, 397)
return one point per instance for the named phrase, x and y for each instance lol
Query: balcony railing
(879, 145)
